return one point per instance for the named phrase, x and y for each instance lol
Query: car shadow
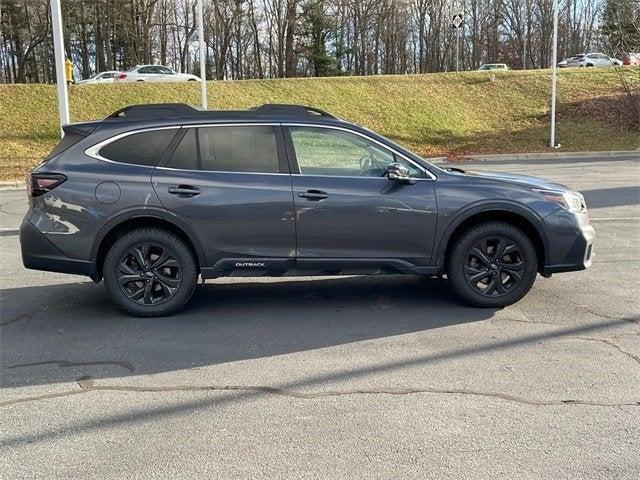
(59, 333)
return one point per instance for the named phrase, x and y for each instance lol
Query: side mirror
(399, 173)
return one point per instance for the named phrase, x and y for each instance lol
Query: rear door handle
(314, 195)
(184, 191)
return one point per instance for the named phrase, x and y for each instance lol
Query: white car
(103, 77)
(154, 73)
(592, 60)
(493, 66)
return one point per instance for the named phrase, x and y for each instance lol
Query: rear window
(228, 149)
(144, 148)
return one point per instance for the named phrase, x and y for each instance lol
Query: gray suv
(155, 196)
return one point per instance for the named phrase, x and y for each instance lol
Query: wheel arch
(125, 222)
(518, 216)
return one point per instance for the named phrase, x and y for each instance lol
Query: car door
(166, 75)
(348, 213)
(155, 74)
(105, 78)
(142, 73)
(604, 60)
(231, 185)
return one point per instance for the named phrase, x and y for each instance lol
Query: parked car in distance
(154, 73)
(103, 77)
(155, 196)
(592, 60)
(493, 66)
(631, 59)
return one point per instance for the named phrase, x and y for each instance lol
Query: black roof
(166, 111)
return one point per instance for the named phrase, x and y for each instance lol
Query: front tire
(150, 272)
(493, 264)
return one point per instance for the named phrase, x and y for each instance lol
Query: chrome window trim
(348, 130)
(219, 171)
(234, 124)
(94, 150)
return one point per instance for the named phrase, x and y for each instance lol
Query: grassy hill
(434, 114)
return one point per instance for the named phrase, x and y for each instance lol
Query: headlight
(572, 201)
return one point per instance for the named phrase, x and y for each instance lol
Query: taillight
(41, 183)
(122, 76)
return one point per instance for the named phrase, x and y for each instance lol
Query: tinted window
(186, 154)
(238, 149)
(323, 151)
(228, 149)
(144, 148)
(164, 70)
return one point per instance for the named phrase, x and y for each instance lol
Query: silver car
(493, 66)
(154, 73)
(103, 77)
(592, 60)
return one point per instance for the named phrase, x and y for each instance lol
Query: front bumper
(38, 253)
(571, 239)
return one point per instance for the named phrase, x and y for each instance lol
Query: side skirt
(290, 267)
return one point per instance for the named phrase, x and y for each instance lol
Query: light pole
(456, 22)
(457, 49)
(58, 49)
(202, 46)
(554, 61)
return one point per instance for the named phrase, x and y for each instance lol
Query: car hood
(533, 182)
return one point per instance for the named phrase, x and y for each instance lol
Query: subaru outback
(154, 197)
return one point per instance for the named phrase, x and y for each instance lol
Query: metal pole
(58, 49)
(457, 49)
(524, 53)
(554, 61)
(202, 46)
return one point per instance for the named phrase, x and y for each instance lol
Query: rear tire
(150, 272)
(493, 264)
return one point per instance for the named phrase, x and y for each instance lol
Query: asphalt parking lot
(357, 377)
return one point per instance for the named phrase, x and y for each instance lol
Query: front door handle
(184, 191)
(314, 195)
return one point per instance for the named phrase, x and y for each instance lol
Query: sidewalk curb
(551, 155)
(12, 186)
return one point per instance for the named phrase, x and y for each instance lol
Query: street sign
(456, 20)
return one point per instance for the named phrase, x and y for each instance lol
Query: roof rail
(289, 109)
(153, 110)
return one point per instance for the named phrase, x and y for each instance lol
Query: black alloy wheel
(149, 274)
(494, 266)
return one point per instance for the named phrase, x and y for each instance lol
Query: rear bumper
(38, 253)
(571, 244)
